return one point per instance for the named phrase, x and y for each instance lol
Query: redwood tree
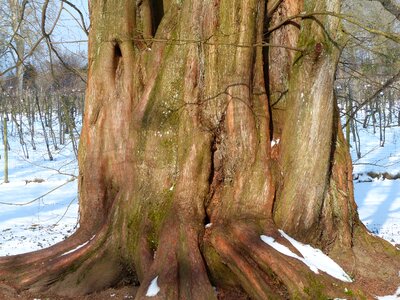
(208, 124)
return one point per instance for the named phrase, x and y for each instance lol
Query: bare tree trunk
(17, 27)
(353, 124)
(69, 122)
(384, 123)
(46, 139)
(349, 109)
(20, 133)
(61, 122)
(30, 115)
(356, 138)
(5, 145)
(185, 160)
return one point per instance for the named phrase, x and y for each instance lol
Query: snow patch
(396, 296)
(75, 249)
(279, 247)
(315, 259)
(78, 247)
(208, 225)
(275, 142)
(363, 177)
(153, 288)
(379, 206)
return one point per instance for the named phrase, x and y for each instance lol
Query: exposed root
(376, 262)
(66, 268)
(180, 271)
(265, 273)
(251, 278)
(178, 267)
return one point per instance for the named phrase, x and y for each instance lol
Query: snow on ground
(41, 223)
(78, 247)
(374, 157)
(315, 259)
(39, 206)
(379, 207)
(395, 296)
(378, 200)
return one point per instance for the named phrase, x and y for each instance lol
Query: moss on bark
(178, 174)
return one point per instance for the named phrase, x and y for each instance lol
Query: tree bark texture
(197, 139)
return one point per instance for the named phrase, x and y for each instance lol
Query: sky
(69, 33)
(68, 36)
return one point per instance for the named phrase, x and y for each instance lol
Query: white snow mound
(153, 288)
(315, 259)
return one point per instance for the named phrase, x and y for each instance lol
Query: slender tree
(5, 145)
(208, 124)
(17, 14)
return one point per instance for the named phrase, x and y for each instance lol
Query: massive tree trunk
(208, 124)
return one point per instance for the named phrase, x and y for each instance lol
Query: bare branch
(387, 84)
(84, 27)
(21, 61)
(38, 198)
(47, 36)
(20, 19)
(351, 19)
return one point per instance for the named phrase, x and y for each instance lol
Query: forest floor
(378, 198)
(122, 293)
(39, 205)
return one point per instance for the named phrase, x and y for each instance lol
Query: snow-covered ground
(39, 206)
(375, 158)
(315, 259)
(52, 214)
(378, 199)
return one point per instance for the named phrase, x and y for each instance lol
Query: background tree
(197, 139)
(5, 145)
(367, 84)
(31, 77)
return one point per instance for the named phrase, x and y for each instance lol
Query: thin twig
(38, 198)
(65, 212)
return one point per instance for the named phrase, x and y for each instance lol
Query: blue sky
(68, 32)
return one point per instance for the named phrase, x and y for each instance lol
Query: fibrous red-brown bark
(197, 139)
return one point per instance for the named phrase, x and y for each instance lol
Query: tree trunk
(18, 35)
(5, 145)
(200, 139)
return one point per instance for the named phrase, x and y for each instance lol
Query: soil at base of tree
(126, 292)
